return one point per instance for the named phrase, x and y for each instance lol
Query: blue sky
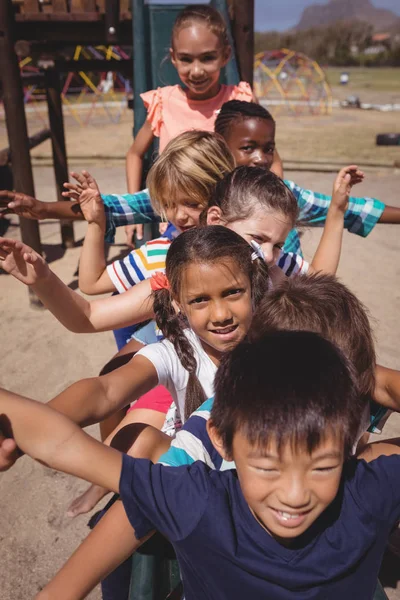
(283, 14)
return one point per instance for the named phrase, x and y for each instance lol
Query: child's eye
(269, 149)
(192, 204)
(279, 246)
(247, 148)
(198, 300)
(208, 58)
(326, 469)
(234, 292)
(257, 239)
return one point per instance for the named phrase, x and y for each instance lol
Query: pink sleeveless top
(170, 112)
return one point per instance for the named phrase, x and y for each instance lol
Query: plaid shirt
(360, 218)
(127, 209)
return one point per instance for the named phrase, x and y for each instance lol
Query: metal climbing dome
(289, 81)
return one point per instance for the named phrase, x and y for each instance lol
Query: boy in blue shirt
(297, 518)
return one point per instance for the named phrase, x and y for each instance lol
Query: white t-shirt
(173, 375)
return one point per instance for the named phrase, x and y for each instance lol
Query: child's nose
(197, 69)
(269, 254)
(260, 160)
(295, 494)
(220, 313)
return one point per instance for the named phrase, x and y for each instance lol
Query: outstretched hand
(87, 192)
(8, 452)
(345, 179)
(23, 263)
(21, 204)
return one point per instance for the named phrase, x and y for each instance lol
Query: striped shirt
(192, 442)
(142, 263)
(360, 218)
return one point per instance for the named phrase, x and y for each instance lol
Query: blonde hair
(192, 163)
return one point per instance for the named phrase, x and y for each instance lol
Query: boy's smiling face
(252, 142)
(286, 491)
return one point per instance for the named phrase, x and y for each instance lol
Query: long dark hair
(201, 245)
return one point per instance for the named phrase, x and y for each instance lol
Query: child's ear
(172, 56)
(214, 216)
(216, 440)
(227, 55)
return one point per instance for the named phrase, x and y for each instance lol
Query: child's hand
(22, 205)
(130, 231)
(8, 452)
(23, 263)
(162, 228)
(346, 178)
(88, 195)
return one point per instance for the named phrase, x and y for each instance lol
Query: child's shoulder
(159, 94)
(362, 480)
(241, 91)
(156, 247)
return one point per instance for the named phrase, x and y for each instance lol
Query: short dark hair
(290, 386)
(236, 110)
(322, 304)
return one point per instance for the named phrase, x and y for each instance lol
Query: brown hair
(320, 303)
(192, 162)
(245, 189)
(202, 13)
(201, 245)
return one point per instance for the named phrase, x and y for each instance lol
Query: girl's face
(267, 228)
(198, 57)
(252, 142)
(184, 212)
(216, 299)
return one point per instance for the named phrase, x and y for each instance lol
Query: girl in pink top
(199, 50)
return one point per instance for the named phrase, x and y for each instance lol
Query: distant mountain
(346, 10)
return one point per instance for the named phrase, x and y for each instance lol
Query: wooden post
(243, 33)
(54, 106)
(16, 124)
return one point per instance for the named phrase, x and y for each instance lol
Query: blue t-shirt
(225, 554)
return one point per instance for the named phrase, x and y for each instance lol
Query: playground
(40, 358)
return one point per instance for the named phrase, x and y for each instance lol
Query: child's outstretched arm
(327, 256)
(31, 208)
(360, 218)
(391, 214)
(134, 170)
(55, 441)
(70, 308)
(110, 543)
(387, 388)
(93, 276)
(92, 400)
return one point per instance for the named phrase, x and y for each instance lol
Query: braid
(173, 324)
(238, 109)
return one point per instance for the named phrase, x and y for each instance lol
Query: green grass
(380, 79)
